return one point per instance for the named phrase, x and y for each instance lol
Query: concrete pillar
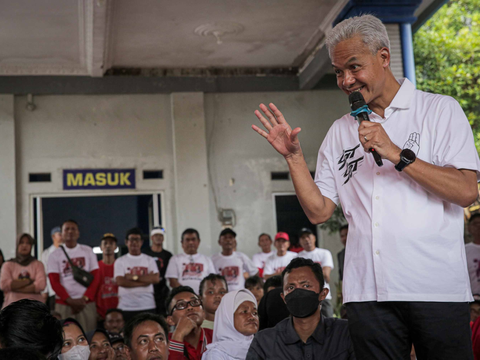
(191, 168)
(8, 218)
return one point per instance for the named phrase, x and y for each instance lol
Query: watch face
(408, 155)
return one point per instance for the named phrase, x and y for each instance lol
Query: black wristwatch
(407, 157)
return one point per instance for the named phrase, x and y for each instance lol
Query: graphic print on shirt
(78, 262)
(192, 271)
(109, 288)
(138, 270)
(24, 274)
(413, 143)
(230, 273)
(348, 163)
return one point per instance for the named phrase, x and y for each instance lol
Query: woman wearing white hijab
(236, 321)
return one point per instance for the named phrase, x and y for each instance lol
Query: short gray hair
(370, 28)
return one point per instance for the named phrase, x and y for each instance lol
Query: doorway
(96, 215)
(290, 218)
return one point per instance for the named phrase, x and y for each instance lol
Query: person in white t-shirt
(473, 253)
(56, 235)
(135, 274)
(275, 264)
(405, 263)
(232, 264)
(189, 268)
(320, 256)
(72, 298)
(265, 243)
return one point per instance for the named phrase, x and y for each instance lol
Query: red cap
(282, 235)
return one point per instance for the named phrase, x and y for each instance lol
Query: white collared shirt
(404, 243)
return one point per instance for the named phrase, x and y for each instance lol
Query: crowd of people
(150, 304)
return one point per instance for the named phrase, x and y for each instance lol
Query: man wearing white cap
(162, 257)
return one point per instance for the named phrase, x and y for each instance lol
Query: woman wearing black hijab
(23, 277)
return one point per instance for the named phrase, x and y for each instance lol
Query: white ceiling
(88, 37)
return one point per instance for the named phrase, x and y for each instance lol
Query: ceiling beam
(312, 73)
(67, 85)
(97, 23)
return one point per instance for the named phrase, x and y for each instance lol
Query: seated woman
(23, 277)
(236, 321)
(75, 345)
(100, 346)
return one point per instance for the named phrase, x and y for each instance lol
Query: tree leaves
(447, 57)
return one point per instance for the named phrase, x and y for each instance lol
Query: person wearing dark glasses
(189, 340)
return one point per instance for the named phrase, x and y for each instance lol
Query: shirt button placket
(378, 179)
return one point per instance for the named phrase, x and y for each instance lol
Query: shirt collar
(291, 336)
(404, 95)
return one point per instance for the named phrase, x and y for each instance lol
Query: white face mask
(78, 352)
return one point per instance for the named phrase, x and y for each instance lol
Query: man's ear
(170, 321)
(385, 56)
(128, 351)
(323, 294)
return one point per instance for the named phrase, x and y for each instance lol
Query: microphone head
(356, 100)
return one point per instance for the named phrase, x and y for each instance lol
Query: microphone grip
(377, 157)
(363, 116)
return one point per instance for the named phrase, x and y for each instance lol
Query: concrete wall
(241, 161)
(203, 142)
(8, 199)
(131, 131)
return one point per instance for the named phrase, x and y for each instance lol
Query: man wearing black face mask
(306, 334)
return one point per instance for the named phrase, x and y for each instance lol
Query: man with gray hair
(405, 276)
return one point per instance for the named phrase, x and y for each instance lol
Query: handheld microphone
(360, 112)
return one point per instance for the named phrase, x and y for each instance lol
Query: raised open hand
(278, 132)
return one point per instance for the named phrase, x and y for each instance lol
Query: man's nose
(348, 79)
(152, 346)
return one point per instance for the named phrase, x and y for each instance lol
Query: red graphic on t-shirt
(192, 269)
(109, 288)
(24, 274)
(79, 262)
(138, 270)
(280, 269)
(230, 273)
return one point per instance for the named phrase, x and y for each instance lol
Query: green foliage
(335, 222)
(447, 57)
